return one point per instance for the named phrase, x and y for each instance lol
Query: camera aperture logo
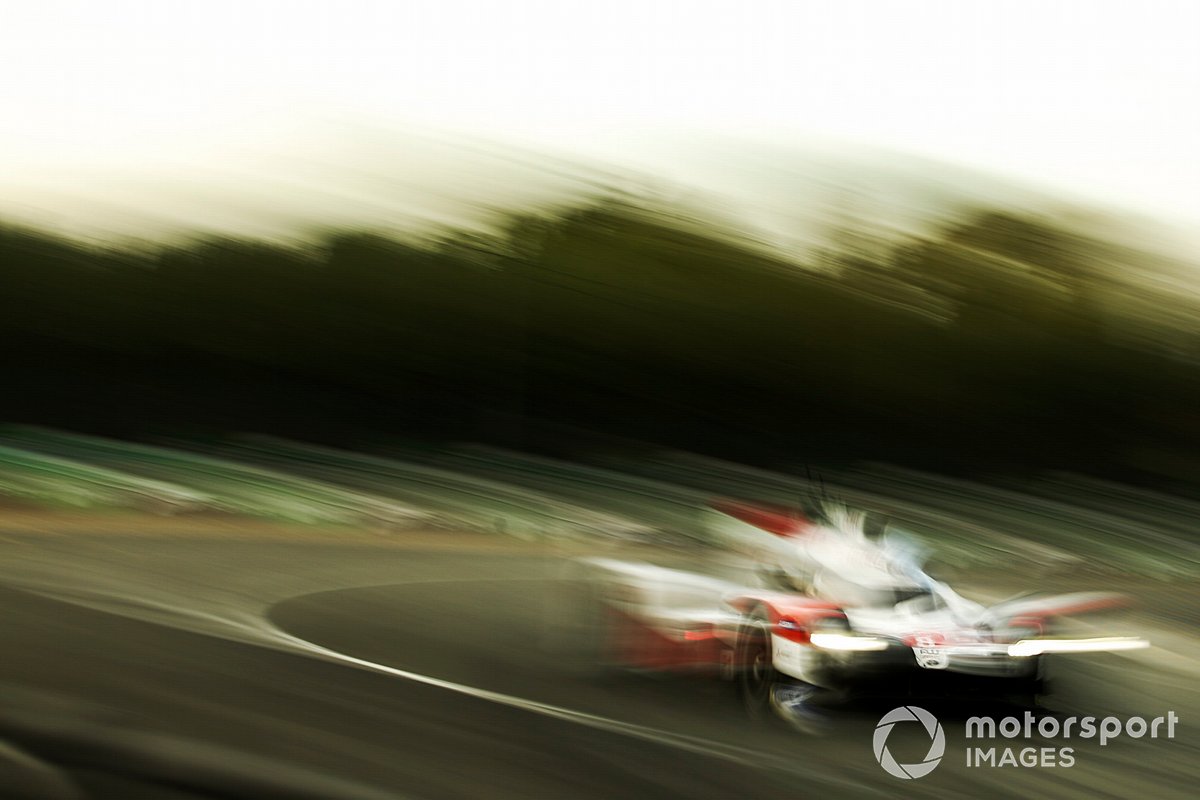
(937, 744)
(1046, 728)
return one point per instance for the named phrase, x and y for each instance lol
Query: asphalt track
(437, 672)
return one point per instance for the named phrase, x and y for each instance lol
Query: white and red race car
(832, 610)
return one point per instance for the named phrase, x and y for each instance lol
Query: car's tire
(769, 696)
(755, 671)
(1029, 693)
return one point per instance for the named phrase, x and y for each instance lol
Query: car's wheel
(1028, 692)
(767, 694)
(756, 676)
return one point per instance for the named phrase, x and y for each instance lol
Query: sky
(110, 105)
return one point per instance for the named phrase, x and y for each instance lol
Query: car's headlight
(1036, 647)
(847, 642)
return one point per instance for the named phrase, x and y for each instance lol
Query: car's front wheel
(756, 676)
(765, 692)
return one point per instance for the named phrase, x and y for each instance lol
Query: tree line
(1001, 342)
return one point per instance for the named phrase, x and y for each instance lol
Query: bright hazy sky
(1097, 98)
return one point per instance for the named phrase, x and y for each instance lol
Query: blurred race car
(834, 611)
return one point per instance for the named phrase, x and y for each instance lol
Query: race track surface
(435, 672)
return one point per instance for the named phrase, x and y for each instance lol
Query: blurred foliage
(1001, 342)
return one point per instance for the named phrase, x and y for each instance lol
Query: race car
(831, 609)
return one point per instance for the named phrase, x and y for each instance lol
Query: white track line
(257, 630)
(692, 744)
(689, 743)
